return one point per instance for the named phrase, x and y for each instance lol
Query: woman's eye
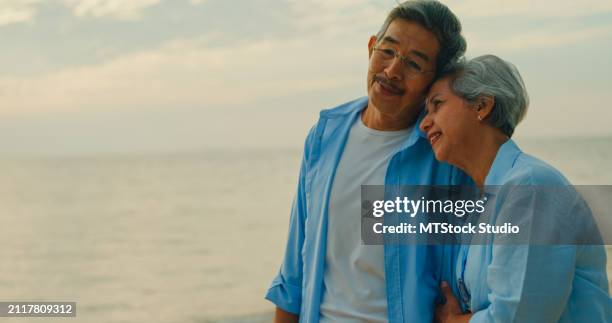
(436, 104)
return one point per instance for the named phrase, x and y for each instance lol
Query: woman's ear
(484, 106)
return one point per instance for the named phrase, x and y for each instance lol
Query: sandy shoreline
(252, 318)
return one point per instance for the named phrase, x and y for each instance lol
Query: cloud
(188, 73)
(554, 38)
(546, 37)
(197, 72)
(17, 11)
(330, 11)
(120, 9)
(361, 18)
(528, 8)
(333, 18)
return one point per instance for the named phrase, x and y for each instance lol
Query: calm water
(185, 238)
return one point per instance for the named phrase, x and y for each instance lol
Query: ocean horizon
(175, 237)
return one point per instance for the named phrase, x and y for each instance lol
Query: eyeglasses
(412, 69)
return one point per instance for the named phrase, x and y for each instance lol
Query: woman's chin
(440, 154)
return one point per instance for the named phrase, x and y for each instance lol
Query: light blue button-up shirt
(532, 283)
(413, 273)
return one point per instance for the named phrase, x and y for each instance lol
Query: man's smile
(387, 87)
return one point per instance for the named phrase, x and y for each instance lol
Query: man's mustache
(384, 80)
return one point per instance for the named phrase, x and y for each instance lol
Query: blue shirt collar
(354, 109)
(503, 162)
(416, 133)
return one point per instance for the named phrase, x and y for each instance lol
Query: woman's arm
(529, 283)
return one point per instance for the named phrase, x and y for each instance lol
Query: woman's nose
(426, 123)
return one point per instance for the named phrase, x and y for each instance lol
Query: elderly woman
(472, 113)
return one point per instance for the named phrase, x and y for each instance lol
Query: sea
(192, 237)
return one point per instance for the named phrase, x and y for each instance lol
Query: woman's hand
(450, 311)
(282, 316)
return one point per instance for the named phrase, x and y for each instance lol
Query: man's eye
(388, 52)
(413, 65)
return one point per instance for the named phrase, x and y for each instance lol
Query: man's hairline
(383, 33)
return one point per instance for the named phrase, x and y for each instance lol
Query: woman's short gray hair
(489, 75)
(438, 19)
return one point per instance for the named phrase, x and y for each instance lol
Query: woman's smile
(433, 137)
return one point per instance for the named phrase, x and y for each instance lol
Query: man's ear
(484, 106)
(371, 44)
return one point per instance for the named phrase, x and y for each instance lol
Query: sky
(82, 77)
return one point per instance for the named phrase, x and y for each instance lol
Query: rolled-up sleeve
(286, 288)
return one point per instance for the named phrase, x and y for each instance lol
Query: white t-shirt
(354, 275)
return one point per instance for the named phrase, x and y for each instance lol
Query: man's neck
(374, 119)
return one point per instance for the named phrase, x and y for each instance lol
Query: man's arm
(286, 289)
(280, 316)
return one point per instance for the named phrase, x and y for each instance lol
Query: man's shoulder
(345, 109)
(331, 119)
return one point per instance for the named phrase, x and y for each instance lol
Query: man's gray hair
(436, 18)
(489, 75)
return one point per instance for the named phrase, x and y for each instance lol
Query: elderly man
(328, 274)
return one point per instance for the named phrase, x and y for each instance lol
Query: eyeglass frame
(404, 60)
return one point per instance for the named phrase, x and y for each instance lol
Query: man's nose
(395, 70)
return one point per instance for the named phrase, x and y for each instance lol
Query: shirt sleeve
(528, 282)
(286, 288)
